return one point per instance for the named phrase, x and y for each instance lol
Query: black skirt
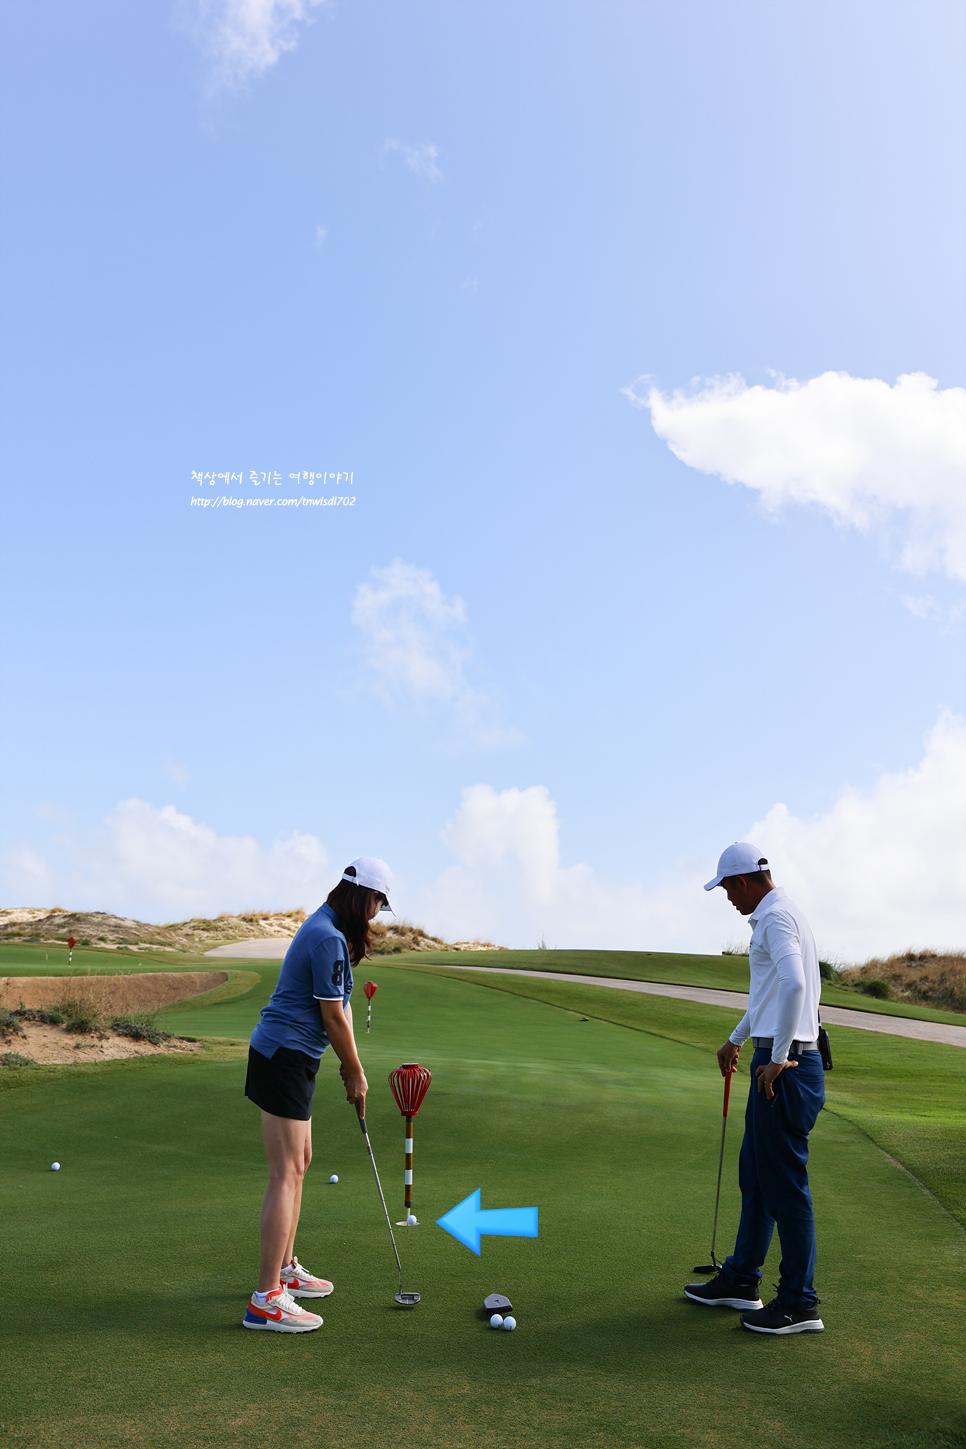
(282, 1084)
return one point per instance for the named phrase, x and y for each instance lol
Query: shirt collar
(766, 903)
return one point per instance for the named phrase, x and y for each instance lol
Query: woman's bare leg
(297, 1203)
(288, 1149)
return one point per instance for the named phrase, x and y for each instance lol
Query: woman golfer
(309, 1009)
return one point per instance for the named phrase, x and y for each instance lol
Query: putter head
(406, 1300)
(496, 1303)
(707, 1268)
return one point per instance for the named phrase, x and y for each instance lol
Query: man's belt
(795, 1049)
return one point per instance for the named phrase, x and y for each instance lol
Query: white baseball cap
(373, 873)
(739, 859)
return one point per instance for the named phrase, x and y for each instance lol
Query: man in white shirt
(787, 1093)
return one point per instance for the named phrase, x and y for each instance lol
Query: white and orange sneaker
(300, 1284)
(280, 1313)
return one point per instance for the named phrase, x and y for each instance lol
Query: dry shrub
(389, 940)
(930, 978)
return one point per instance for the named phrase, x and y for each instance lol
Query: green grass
(27, 959)
(141, 1251)
(724, 973)
(909, 1097)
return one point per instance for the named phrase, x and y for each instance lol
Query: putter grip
(727, 1093)
(361, 1113)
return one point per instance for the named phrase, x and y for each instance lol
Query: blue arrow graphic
(467, 1220)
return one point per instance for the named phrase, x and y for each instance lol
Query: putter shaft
(717, 1197)
(365, 1133)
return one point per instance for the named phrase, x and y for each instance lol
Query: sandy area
(272, 948)
(54, 1045)
(109, 994)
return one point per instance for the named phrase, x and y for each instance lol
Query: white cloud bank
(886, 868)
(245, 38)
(863, 451)
(416, 643)
(883, 870)
(159, 865)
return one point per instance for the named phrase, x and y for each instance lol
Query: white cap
(373, 873)
(739, 859)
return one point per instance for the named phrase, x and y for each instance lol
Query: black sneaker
(776, 1318)
(723, 1292)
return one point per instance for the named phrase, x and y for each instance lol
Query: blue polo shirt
(316, 968)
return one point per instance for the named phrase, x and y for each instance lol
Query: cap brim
(712, 883)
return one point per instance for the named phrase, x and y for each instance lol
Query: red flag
(72, 941)
(370, 989)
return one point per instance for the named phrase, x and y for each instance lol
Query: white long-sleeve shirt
(785, 983)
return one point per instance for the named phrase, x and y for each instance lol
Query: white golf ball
(55, 1167)
(411, 1221)
(333, 1178)
(496, 1320)
(509, 1324)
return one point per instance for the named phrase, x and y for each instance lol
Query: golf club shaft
(360, 1110)
(717, 1198)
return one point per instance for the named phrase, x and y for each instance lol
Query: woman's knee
(287, 1173)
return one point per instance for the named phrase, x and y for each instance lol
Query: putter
(714, 1265)
(403, 1300)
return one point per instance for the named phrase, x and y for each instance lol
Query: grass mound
(80, 1016)
(15, 1059)
(43, 1015)
(397, 936)
(141, 1026)
(929, 978)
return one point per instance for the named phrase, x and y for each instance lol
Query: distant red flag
(72, 941)
(370, 989)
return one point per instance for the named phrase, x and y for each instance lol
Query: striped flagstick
(409, 1084)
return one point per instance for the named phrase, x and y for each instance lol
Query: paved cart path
(738, 1000)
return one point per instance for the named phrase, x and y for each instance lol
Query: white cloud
(414, 635)
(883, 870)
(421, 159)
(510, 887)
(924, 606)
(245, 38)
(321, 232)
(863, 451)
(27, 876)
(157, 864)
(416, 644)
(177, 774)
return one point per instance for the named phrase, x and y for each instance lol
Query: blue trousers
(773, 1177)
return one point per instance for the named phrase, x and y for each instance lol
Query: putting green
(138, 1256)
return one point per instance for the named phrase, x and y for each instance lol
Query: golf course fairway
(128, 1270)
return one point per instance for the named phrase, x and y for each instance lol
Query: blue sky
(595, 611)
